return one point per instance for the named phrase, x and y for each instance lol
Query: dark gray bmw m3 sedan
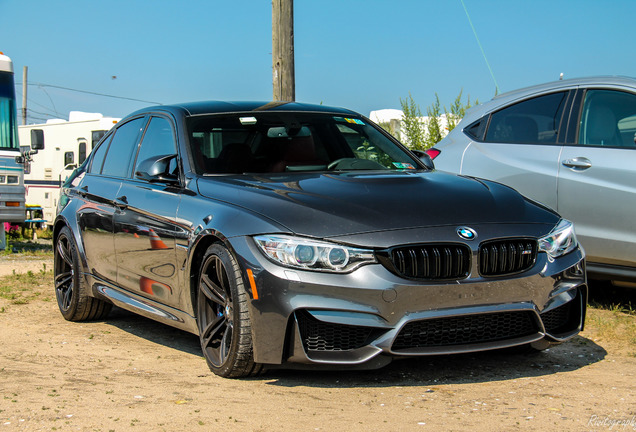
(294, 235)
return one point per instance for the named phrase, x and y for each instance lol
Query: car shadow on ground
(155, 332)
(480, 367)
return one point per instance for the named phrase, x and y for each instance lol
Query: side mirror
(158, 169)
(425, 159)
(37, 139)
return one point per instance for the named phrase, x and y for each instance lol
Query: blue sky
(359, 54)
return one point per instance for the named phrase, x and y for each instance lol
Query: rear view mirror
(37, 139)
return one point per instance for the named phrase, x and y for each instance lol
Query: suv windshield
(287, 141)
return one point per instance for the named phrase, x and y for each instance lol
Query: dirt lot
(129, 373)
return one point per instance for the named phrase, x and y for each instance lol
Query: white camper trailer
(68, 143)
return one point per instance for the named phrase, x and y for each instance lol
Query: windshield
(288, 141)
(8, 130)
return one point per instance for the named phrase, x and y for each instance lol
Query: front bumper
(367, 317)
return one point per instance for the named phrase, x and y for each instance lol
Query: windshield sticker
(403, 165)
(354, 121)
(349, 120)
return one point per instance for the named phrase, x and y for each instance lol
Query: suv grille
(466, 329)
(322, 336)
(431, 261)
(503, 257)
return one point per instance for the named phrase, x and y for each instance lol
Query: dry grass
(24, 288)
(611, 316)
(612, 325)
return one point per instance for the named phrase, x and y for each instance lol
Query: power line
(90, 92)
(480, 47)
(42, 113)
(51, 112)
(37, 117)
(49, 96)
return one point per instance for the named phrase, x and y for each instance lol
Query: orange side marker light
(250, 277)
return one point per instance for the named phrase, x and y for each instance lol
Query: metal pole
(283, 50)
(24, 95)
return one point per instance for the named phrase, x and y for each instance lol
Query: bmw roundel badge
(466, 233)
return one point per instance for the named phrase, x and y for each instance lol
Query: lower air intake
(564, 318)
(321, 336)
(466, 329)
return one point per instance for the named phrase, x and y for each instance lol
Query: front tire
(223, 319)
(71, 291)
(222, 316)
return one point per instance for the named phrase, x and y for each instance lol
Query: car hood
(334, 204)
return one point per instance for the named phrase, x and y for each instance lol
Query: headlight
(312, 255)
(560, 241)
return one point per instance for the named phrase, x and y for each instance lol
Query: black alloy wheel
(71, 291)
(222, 316)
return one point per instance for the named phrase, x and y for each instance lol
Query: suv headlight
(308, 254)
(560, 241)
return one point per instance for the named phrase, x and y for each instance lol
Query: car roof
(525, 92)
(222, 107)
(621, 81)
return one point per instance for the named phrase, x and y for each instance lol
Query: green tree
(433, 124)
(457, 111)
(412, 126)
(386, 126)
(421, 135)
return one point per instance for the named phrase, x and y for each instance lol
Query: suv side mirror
(37, 139)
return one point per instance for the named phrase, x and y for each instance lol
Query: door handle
(578, 163)
(121, 202)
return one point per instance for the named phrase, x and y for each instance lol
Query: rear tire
(222, 317)
(71, 289)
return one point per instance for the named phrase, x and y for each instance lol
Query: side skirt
(145, 307)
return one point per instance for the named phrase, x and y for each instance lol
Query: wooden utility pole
(283, 50)
(24, 95)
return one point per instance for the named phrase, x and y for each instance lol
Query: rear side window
(534, 121)
(98, 156)
(122, 146)
(476, 130)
